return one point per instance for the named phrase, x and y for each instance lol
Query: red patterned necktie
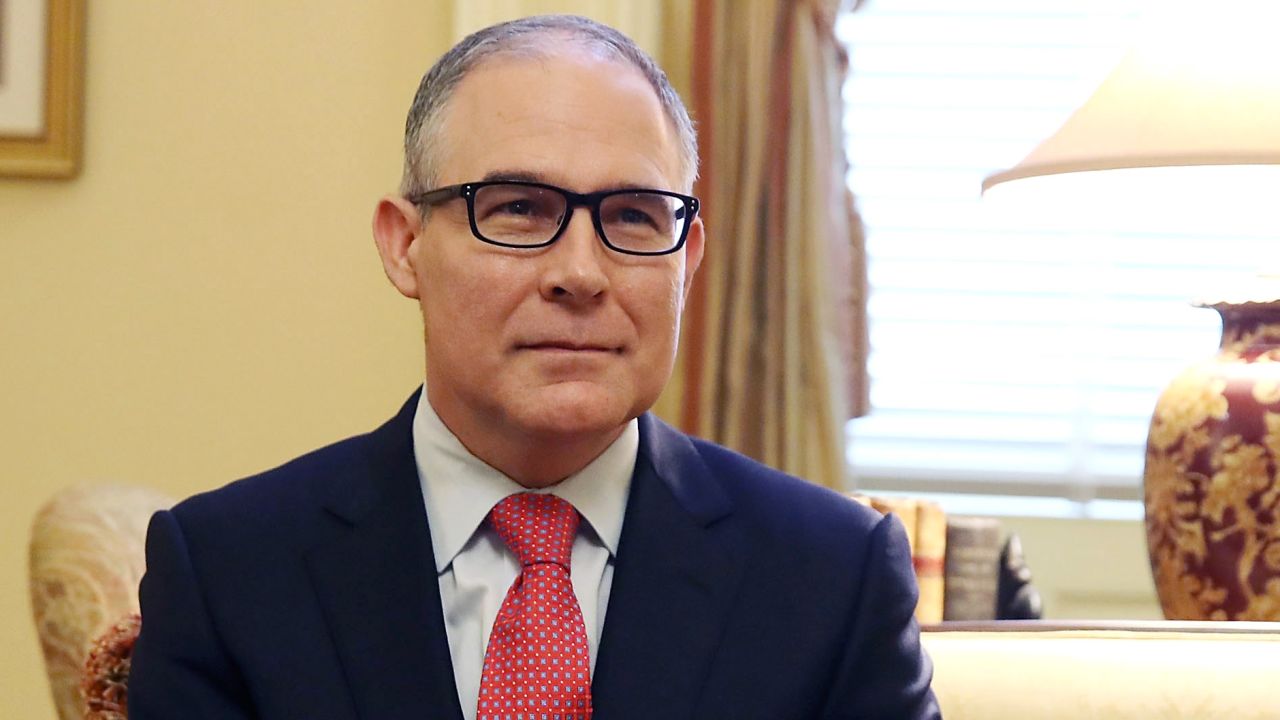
(536, 665)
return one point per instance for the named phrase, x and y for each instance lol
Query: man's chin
(565, 411)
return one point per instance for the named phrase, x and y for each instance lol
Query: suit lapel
(678, 568)
(376, 583)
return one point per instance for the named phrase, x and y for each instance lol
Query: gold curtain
(775, 338)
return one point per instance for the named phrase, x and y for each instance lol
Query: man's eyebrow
(513, 176)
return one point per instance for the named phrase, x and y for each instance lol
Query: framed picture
(41, 87)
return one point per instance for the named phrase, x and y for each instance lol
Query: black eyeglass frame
(573, 200)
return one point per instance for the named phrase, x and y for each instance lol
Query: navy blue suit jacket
(738, 592)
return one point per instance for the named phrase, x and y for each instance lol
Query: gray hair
(537, 36)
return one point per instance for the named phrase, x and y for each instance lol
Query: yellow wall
(204, 301)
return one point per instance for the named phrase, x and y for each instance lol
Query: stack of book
(956, 559)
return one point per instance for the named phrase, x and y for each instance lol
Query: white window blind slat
(985, 25)
(921, 92)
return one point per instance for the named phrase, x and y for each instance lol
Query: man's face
(571, 340)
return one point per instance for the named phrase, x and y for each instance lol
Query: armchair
(86, 558)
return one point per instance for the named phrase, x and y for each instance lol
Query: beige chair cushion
(1032, 671)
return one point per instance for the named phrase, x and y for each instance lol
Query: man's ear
(396, 222)
(694, 244)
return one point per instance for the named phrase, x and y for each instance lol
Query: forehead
(571, 118)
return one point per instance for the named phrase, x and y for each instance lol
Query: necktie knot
(537, 528)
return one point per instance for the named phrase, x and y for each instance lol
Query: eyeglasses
(532, 215)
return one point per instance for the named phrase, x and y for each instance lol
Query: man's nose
(575, 263)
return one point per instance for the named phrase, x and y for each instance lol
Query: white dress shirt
(475, 568)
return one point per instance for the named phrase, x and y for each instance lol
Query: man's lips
(570, 346)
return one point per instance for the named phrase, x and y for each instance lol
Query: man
(523, 537)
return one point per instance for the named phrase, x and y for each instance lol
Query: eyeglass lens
(525, 215)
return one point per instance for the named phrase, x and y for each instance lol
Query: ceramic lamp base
(1212, 477)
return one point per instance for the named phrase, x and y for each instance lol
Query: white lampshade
(1201, 86)
(1183, 134)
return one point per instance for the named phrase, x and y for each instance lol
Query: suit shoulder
(776, 496)
(308, 480)
(274, 495)
(807, 534)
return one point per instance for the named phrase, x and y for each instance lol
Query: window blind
(1013, 354)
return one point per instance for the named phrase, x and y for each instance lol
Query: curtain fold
(779, 331)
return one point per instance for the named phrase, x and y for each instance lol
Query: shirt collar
(459, 489)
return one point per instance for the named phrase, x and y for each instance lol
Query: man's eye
(516, 207)
(634, 216)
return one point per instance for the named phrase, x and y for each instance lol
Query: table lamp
(1190, 118)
